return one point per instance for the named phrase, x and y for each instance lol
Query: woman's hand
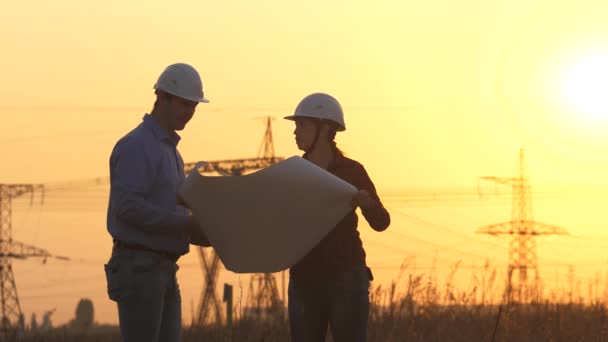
(363, 200)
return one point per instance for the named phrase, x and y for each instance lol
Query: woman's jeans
(342, 303)
(144, 285)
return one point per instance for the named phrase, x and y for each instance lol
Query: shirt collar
(337, 159)
(160, 133)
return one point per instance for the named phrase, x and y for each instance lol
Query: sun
(584, 86)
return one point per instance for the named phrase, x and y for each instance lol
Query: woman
(330, 285)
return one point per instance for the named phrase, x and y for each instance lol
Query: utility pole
(522, 274)
(209, 305)
(10, 249)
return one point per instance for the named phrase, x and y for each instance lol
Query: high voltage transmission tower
(264, 300)
(263, 287)
(209, 309)
(522, 274)
(10, 249)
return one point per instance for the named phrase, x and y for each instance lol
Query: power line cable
(442, 227)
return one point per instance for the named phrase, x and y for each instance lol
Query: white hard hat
(320, 106)
(181, 80)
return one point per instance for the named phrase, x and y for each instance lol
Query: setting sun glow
(585, 86)
(435, 94)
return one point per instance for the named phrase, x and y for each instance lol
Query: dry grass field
(418, 311)
(539, 322)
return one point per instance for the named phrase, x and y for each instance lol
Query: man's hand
(180, 201)
(363, 200)
(197, 237)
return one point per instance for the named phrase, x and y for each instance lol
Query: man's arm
(197, 236)
(132, 170)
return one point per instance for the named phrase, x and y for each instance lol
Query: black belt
(121, 244)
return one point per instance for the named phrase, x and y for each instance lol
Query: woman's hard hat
(320, 106)
(181, 80)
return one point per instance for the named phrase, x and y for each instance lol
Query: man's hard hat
(320, 106)
(181, 80)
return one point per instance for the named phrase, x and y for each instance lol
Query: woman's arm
(367, 199)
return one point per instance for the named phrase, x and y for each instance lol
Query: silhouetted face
(305, 133)
(183, 111)
(176, 112)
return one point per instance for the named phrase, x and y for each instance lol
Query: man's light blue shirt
(146, 171)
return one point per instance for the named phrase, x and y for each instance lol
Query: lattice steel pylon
(264, 301)
(267, 295)
(266, 149)
(522, 274)
(209, 309)
(9, 249)
(209, 305)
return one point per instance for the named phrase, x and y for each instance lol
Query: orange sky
(435, 93)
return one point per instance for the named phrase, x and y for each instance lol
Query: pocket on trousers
(144, 262)
(118, 279)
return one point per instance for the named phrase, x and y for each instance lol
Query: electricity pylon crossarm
(233, 166)
(512, 227)
(19, 250)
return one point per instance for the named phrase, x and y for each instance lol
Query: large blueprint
(268, 220)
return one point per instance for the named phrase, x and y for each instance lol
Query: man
(149, 228)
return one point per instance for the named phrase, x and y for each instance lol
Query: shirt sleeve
(377, 216)
(132, 176)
